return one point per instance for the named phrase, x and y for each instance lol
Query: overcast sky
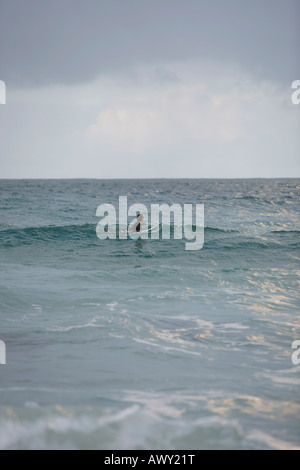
(149, 88)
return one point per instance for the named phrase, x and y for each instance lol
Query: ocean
(141, 344)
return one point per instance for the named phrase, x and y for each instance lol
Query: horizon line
(154, 178)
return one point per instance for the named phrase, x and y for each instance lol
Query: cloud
(221, 108)
(71, 41)
(183, 119)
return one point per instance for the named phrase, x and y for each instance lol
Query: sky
(149, 88)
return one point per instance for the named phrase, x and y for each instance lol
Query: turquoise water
(141, 344)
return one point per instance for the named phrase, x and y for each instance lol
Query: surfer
(140, 220)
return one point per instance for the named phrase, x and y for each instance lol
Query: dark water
(141, 344)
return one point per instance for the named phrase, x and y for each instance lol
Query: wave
(47, 233)
(285, 231)
(86, 233)
(59, 229)
(155, 424)
(253, 198)
(221, 230)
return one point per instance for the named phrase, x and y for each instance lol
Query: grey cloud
(72, 41)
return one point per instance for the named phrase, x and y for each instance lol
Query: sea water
(140, 344)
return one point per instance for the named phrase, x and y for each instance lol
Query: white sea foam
(166, 348)
(151, 424)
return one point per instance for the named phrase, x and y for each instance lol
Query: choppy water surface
(141, 344)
